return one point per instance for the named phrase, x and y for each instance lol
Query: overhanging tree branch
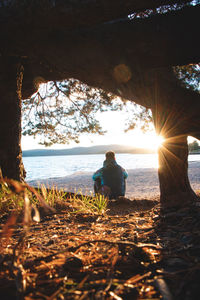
(159, 41)
(76, 13)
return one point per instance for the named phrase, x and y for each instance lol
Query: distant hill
(99, 149)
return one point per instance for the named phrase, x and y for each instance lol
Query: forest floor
(132, 251)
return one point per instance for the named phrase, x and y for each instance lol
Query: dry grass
(16, 196)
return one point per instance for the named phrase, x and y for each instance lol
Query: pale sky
(113, 123)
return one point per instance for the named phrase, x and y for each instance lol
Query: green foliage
(194, 146)
(189, 76)
(97, 203)
(163, 9)
(53, 197)
(62, 111)
(138, 117)
(8, 201)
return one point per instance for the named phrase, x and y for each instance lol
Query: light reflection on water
(41, 167)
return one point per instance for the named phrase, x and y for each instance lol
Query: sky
(113, 123)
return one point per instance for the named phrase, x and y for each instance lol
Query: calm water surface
(42, 167)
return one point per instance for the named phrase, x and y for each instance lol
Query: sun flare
(152, 141)
(158, 141)
(148, 140)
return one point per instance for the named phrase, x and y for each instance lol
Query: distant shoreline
(99, 149)
(194, 152)
(37, 155)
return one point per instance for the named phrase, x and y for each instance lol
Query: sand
(141, 183)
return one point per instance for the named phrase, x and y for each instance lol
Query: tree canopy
(61, 111)
(194, 146)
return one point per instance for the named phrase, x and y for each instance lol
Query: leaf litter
(133, 251)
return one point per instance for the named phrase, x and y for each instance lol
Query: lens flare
(158, 141)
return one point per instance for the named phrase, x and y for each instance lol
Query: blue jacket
(112, 175)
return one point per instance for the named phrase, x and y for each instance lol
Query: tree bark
(53, 50)
(174, 119)
(10, 127)
(175, 189)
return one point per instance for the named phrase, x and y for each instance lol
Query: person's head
(110, 155)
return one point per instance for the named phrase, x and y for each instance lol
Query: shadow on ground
(125, 206)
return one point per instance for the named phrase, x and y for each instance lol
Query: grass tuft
(95, 204)
(15, 196)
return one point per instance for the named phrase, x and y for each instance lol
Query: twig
(75, 248)
(20, 241)
(163, 289)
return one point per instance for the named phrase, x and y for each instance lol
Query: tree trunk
(174, 119)
(10, 128)
(175, 189)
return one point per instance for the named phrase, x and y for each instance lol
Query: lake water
(42, 167)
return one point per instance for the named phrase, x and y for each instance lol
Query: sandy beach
(141, 183)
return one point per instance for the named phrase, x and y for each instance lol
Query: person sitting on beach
(110, 180)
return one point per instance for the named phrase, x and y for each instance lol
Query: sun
(152, 141)
(158, 141)
(149, 140)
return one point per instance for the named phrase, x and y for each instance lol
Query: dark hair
(110, 155)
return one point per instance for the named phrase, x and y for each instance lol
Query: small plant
(95, 204)
(12, 195)
(9, 199)
(52, 195)
(100, 202)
